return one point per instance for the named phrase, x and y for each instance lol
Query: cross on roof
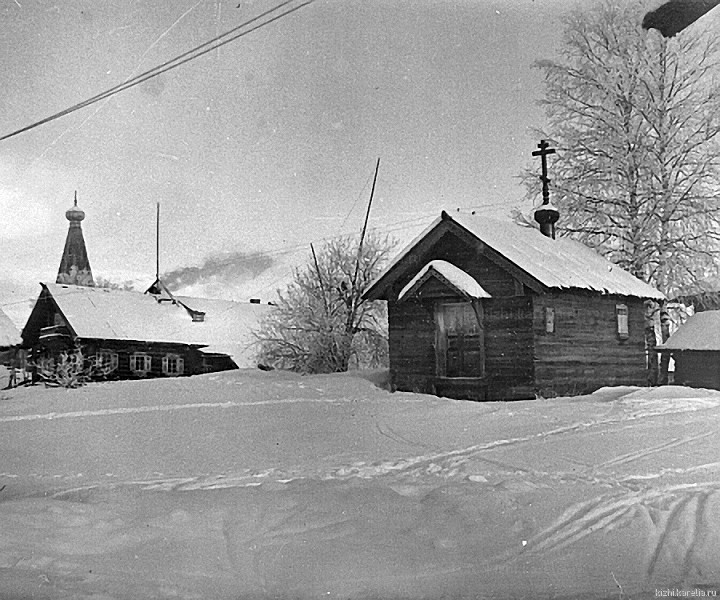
(543, 153)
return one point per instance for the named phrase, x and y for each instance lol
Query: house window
(621, 312)
(549, 319)
(173, 364)
(140, 363)
(460, 344)
(105, 362)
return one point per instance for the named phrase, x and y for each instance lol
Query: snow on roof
(700, 332)
(99, 313)
(9, 334)
(561, 263)
(454, 276)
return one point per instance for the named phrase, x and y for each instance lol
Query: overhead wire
(173, 63)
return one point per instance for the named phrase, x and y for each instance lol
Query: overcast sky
(268, 143)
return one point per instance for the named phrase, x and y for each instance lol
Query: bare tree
(635, 119)
(321, 323)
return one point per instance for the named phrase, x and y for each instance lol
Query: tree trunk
(651, 309)
(665, 334)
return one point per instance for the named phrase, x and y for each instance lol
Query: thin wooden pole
(320, 279)
(355, 297)
(157, 244)
(364, 229)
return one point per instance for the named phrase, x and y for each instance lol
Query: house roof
(700, 332)
(463, 283)
(99, 313)
(556, 264)
(9, 334)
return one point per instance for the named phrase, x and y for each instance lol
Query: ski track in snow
(441, 463)
(129, 410)
(676, 532)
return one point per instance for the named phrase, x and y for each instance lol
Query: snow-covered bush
(321, 323)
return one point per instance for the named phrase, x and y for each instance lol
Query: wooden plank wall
(495, 280)
(192, 358)
(509, 348)
(697, 369)
(412, 346)
(585, 352)
(508, 327)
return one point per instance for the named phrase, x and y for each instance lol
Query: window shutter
(623, 329)
(549, 319)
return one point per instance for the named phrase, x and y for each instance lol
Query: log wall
(494, 279)
(585, 351)
(411, 338)
(509, 348)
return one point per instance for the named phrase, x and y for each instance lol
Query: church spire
(75, 265)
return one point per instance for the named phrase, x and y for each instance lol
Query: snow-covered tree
(635, 119)
(321, 324)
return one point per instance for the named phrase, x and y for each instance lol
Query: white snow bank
(272, 485)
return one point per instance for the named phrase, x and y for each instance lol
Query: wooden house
(695, 348)
(142, 335)
(484, 309)
(128, 334)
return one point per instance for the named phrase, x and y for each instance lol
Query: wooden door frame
(441, 340)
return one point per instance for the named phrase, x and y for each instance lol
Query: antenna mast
(157, 244)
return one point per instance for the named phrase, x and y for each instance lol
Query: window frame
(113, 357)
(147, 363)
(178, 364)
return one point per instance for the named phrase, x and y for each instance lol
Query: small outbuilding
(695, 349)
(486, 309)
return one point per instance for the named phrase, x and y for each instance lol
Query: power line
(183, 58)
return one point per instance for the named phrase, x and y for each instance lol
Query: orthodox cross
(542, 153)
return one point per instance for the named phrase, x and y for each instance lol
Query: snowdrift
(270, 485)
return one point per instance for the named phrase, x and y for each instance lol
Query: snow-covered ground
(270, 485)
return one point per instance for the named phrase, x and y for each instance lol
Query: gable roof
(9, 334)
(463, 283)
(554, 264)
(700, 332)
(99, 313)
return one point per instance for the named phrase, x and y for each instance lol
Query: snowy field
(270, 485)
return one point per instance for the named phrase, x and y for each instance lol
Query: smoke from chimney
(232, 268)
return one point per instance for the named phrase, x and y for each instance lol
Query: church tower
(75, 265)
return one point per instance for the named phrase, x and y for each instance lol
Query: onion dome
(75, 213)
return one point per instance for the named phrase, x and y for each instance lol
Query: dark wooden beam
(671, 17)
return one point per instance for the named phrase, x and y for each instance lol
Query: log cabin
(138, 335)
(126, 334)
(483, 309)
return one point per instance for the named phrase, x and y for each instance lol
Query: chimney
(75, 265)
(547, 215)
